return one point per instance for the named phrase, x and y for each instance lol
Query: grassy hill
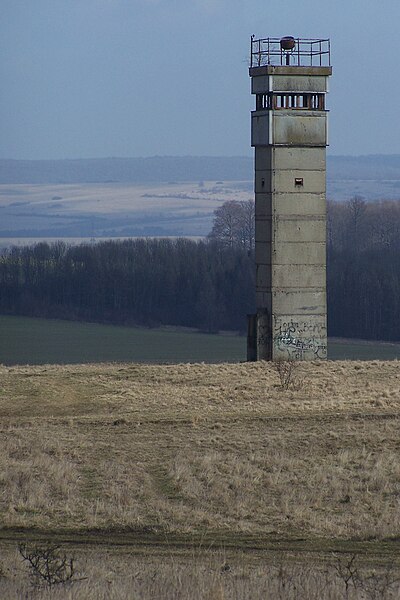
(183, 458)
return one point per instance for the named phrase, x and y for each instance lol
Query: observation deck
(290, 51)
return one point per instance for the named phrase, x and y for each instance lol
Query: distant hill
(372, 176)
(127, 170)
(372, 166)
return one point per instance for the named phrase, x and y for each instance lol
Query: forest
(363, 275)
(209, 285)
(137, 282)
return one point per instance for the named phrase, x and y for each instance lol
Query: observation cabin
(289, 132)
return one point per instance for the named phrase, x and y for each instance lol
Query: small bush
(47, 564)
(287, 371)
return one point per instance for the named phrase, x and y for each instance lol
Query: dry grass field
(190, 456)
(188, 449)
(202, 574)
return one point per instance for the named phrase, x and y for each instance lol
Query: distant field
(339, 349)
(39, 341)
(113, 209)
(25, 340)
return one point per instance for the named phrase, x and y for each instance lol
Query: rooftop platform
(289, 52)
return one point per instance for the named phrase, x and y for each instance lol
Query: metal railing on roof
(305, 52)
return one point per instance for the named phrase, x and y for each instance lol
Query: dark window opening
(274, 101)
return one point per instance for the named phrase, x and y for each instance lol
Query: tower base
(270, 338)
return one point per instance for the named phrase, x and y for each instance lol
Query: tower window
(276, 101)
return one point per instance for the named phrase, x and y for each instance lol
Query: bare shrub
(347, 571)
(287, 371)
(47, 564)
(379, 585)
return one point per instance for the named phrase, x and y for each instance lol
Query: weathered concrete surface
(263, 253)
(287, 71)
(291, 252)
(299, 229)
(298, 276)
(284, 157)
(299, 205)
(289, 128)
(264, 334)
(290, 188)
(312, 181)
(264, 276)
(263, 230)
(289, 83)
(305, 302)
(277, 181)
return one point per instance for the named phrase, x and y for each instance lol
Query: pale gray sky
(99, 78)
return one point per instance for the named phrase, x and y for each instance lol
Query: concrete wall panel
(298, 83)
(263, 206)
(263, 230)
(306, 253)
(264, 300)
(289, 157)
(299, 230)
(312, 182)
(260, 128)
(300, 204)
(298, 302)
(298, 276)
(303, 129)
(263, 277)
(261, 85)
(263, 158)
(263, 253)
(297, 158)
(263, 182)
(297, 71)
(289, 83)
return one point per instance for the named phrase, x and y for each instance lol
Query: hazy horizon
(127, 157)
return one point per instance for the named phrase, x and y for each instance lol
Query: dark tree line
(143, 281)
(209, 285)
(364, 269)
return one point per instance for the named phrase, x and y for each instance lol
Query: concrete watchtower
(289, 78)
